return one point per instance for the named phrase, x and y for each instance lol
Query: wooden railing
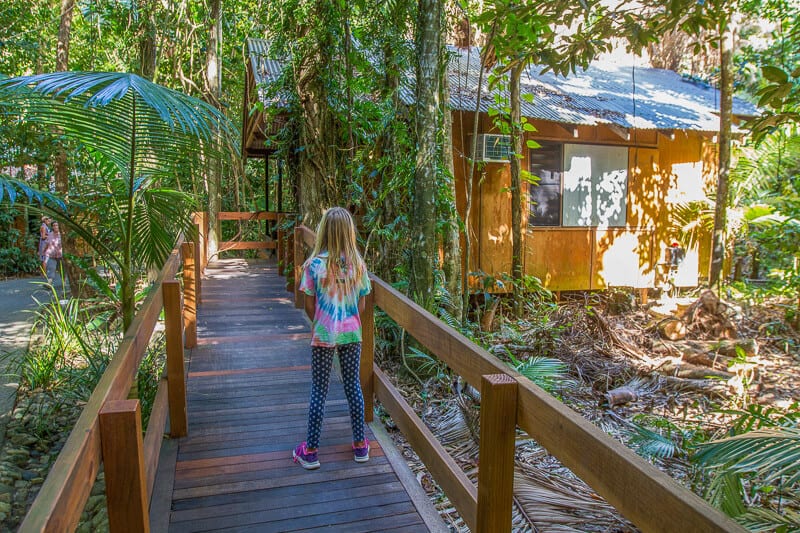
(251, 216)
(646, 496)
(109, 429)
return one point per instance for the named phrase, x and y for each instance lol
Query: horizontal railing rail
(109, 429)
(639, 491)
(254, 216)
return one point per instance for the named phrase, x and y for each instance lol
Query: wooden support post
(176, 381)
(368, 355)
(123, 461)
(189, 295)
(198, 271)
(205, 240)
(201, 226)
(298, 266)
(496, 455)
(281, 248)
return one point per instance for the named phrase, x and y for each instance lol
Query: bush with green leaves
(18, 253)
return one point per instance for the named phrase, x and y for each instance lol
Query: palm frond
(693, 219)
(546, 372)
(772, 453)
(760, 519)
(11, 188)
(652, 444)
(160, 215)
(123, 117)
(557, 503)
(725, 492)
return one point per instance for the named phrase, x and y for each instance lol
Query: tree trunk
(213, 93)
(470, 178)
(516, 187)
(60, 170)
(319, 163)
(450, 240)
(423, 231)
(147, 42)
(725, 116)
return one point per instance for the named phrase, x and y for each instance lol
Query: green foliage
(18, 253)
(73, 351)
(763, 456)
(149, 374)
(548, 373)
(655, 437)
(136, 133)
(426, 365)
(778, 93)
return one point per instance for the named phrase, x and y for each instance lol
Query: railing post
(189, 295)
(298, 266)
(123, 460)
(176, 384)
(280, 252)
(199, 220)
(496, 455)
(198, 271)
(204, 241)
(368, 355)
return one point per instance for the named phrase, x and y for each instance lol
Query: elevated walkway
(247, 395)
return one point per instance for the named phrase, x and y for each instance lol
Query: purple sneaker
(361, 453)
(307, 460)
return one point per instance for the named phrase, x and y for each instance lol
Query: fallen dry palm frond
(559, 504)
(456, 427)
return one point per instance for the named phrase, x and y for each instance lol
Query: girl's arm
(310, 305)
(361, 305)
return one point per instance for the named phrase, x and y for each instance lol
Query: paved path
(17, 301)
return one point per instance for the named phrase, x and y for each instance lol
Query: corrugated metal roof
(265, 69)
(609, 92)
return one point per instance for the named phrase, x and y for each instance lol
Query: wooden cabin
(620, 145)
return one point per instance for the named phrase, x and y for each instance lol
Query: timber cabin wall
(663, 170)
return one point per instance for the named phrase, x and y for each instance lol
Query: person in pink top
(53, 253)
(335, 281)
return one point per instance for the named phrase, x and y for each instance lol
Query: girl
(335, 281)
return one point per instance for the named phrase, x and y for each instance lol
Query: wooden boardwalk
(248, 386)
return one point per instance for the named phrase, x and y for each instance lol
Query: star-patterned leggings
(321, 361)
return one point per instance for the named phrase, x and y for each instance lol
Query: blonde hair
(336, 234)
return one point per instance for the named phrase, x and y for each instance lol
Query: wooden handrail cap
(498, 379)
(119, 406)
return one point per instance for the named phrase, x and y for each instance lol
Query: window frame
(535, 169)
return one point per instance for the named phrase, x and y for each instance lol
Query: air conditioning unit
(493, 148)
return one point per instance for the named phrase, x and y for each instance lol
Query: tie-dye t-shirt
(336, 318)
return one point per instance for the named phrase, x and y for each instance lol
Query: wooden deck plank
(273, 499)
(235, 498)
(247, 392)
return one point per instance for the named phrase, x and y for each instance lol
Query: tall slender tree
(60, 168)
(726, 38)
(213, 95)
(423, 232)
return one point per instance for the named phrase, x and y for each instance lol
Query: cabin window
(581, 185)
